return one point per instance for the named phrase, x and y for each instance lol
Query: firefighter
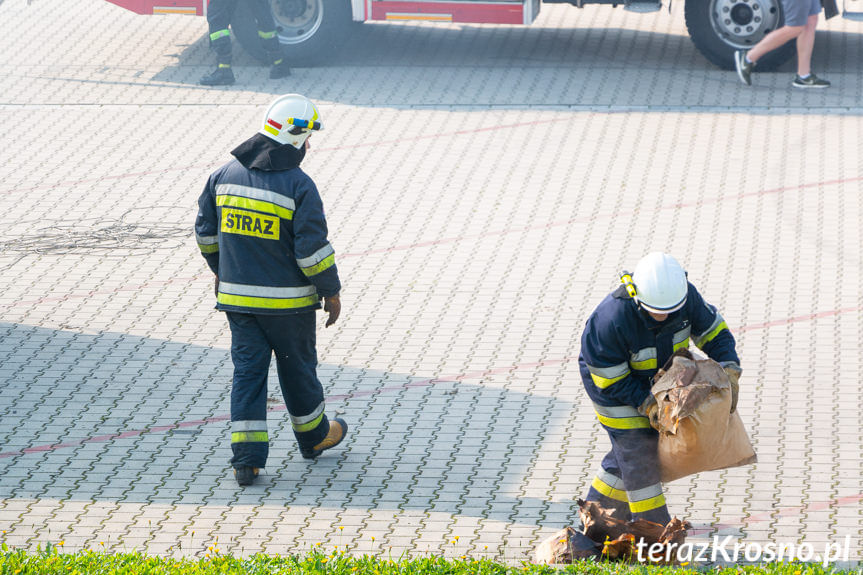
(631, 334)
(219, 15)
(261, 229)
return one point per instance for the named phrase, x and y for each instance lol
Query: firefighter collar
(261, 153)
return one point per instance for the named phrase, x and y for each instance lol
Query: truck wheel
(308, 29)
(719, 27)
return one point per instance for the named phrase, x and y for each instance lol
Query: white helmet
(290, 120)
(660, 283)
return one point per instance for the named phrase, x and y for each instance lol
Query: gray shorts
(797, 12)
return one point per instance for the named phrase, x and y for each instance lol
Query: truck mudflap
(473, 11)
(187, 7)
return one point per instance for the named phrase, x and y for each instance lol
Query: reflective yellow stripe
(639, 422)
(713, 333)
(208, 248)
(310, 425)
(645, 365)
(271, 130)
(257, 205)
(647, 504)
(603, 382)
(608, 490)
(322, 265)
(267, 35)
(644, 360)
(266, 302)
(683, 344)
(249, 436)
(219, 34)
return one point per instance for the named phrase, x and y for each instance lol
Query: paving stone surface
(484, 186)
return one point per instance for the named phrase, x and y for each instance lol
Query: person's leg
(636, 451)
(219, 14)
(293, 339)
(251, 354)
(269, 38)
(805, 46)
(772, 41)
(795, 12)
(607, 488)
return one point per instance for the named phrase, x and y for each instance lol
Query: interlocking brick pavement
(484, 186)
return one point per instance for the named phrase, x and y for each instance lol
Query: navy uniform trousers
(219, 15)
(628, 480)
(254, 338)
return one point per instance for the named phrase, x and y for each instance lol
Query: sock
(748, 61)
(803, 77)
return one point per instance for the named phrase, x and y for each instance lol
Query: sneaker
(744, 68)
(222, 76)
(812, 81)
(338, 431)
(280, 69)
(245, 475)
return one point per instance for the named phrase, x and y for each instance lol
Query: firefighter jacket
(622, 347)
(262, 230)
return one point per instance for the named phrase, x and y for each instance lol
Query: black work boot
(222, 76)
(280, 69)
(338, 431)
(245, 475)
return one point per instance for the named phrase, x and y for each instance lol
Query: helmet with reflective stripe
(290, 120)
(660, 283)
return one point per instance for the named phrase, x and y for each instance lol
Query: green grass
(50, 561)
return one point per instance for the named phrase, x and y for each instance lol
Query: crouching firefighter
(262, 230)
(631, 334)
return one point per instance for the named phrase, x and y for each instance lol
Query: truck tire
(719, 27)
(308, 29)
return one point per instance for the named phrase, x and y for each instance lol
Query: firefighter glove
(650, 410)
(333, 306)
(733, 372)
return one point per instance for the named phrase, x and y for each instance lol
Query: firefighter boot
(275, 54)
(245, 475)
(222, 76)
(280, 69)
(338, 431)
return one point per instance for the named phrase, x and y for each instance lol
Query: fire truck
(309, 28)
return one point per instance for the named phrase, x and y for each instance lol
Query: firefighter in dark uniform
(219, 15)
(630, 335)
(262, 230)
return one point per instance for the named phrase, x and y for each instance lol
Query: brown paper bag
(697, 431)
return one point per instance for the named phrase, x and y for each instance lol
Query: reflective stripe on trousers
(628, 479)
(254, 338)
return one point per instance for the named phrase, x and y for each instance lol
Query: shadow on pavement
(129, 419)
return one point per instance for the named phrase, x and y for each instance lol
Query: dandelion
(341, 527)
